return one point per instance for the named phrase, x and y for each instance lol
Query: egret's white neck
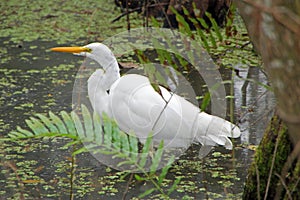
(111, 74)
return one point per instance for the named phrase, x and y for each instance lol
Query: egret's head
(95, 51)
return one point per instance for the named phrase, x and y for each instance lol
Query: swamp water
(41, 169)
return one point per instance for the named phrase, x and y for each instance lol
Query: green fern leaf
(116, 136)
(133, 143)
(138, 177)
(97, 128)
(78, 125)
(182, 23)
(203, 23)
(165, 170)
(75, 141)
(26, 133)
(125, 144)
(173, 187)
(157, 158)
(68, 122)
(215, 26)
(88, 123)
(80, 150)
(126, 162)
(147, 192)
(59, 123)
(107, 126)
(36, 126)
(52, 128)
(16, 135)
(145, 151)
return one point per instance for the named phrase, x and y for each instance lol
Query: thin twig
(258, 181)
(127, 187)
(295, 153)
(126, 13)
(72, 174)
(127, 16)
(138, 9)
(285, 186)
(271, 170)
(296, 184)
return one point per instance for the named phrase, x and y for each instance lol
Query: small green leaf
(24, 132)
(58, 122)
(205, 102)
(69, 122)
(107, 130)
(88, 123)
(52, 128)
(16, 135)
(126, 162)
(138, 177)
(125, 143)
(147, 192)
(36, 126)
(116, 136)
(157, 157)
(133, 142)
(72, 143)
(173, 187)
(79, 151)
(97, 128)
(78, 125)
(165, 170)
(145, 150)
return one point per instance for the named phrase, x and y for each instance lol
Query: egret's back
(138, 108)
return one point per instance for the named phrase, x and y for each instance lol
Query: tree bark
(274, 28)
(274, 173)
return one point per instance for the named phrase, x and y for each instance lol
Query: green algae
(60, 21)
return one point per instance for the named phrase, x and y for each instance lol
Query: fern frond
(100, 135)
(97, 128)
(145, 151)
(88, 123)
(52, 128)
(68, 122)
(78, 125)
(165, 170)
(157, 158)
(36, 126)
(58, 122)
(24, 132)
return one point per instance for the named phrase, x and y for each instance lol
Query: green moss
(263, 161)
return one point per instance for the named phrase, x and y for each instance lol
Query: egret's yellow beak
(71, 49)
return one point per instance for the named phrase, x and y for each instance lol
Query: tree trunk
(274, 28)
(269, 162)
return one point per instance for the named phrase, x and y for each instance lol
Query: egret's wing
(137, 107)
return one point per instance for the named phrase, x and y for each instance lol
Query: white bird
(138, 108)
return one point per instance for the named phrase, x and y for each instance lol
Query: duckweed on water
(42, 87)
(61, 21)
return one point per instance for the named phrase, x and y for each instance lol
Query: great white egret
(138, 108)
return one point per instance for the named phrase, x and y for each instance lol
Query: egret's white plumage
(138, 108)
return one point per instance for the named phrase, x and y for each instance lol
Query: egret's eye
(86, 49)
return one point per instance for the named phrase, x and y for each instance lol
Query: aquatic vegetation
(33, 82)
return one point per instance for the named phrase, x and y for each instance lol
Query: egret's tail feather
(215, 130)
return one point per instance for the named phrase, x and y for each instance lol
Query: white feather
(138, 108)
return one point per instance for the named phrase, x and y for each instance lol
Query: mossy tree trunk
(270, 162)
(274, 28)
